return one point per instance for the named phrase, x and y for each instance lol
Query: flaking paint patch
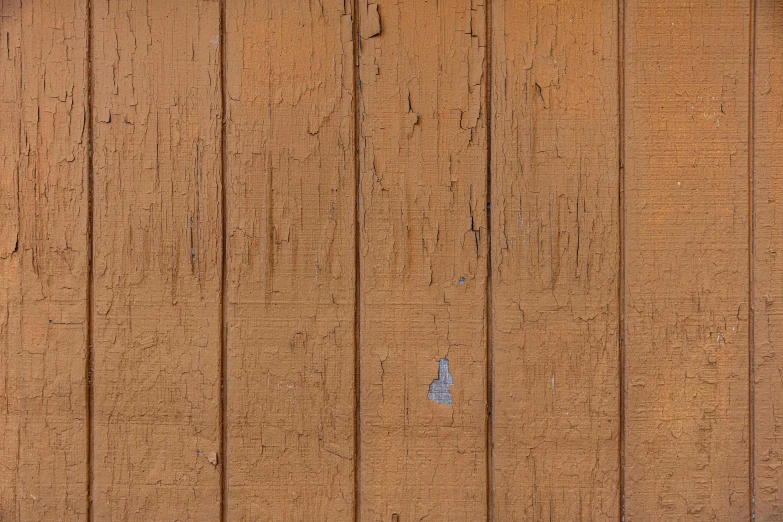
(372, 21)
(440, 391)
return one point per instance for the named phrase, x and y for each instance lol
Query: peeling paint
(372, 21)
(440, 388)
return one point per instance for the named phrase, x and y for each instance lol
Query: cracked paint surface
(117, 260)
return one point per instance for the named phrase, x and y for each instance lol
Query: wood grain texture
(768, 261)
(423, 259)
(555, 253)
(44, 248)
(157, 266)
(291, 192)
(686, 244)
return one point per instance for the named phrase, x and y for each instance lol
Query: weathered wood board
(44, 260)
(556, 260)
(423, 246)
(290, 192)
(157, 260)
(686, 239)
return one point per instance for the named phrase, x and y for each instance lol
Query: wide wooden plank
(556, 255)
(291, 190)
(157, 265)
(44, 260)
(768, 261)
(686, 253)
(423, 260)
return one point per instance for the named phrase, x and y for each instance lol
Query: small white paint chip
(440, 391)
(461, 281)
(212, 457)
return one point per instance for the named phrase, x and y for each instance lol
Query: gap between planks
(751, 260)
(223, 273)
(357, 433)
(621, 240)
(89, 362)
(488, 293)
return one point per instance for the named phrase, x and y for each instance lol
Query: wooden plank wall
(391, 260)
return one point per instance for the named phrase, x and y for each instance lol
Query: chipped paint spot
(372, 21)
(440, 391)
(212, 458)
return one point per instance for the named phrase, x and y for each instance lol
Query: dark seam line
(751, 260)
(488, 294)
(90, 356)
(621, 22)
(224, 275)
(20, 134)
(357, 435)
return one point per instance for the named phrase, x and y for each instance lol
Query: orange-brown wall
(333, 260)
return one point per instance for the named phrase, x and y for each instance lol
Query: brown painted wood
(768, 263)
(291, 191)
(157, 265)
(686, 246)
(44, 267)
(556, 255)
(423, 260)
(340, 365)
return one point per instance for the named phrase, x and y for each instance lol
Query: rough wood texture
(44, 247)
(768, 261)
(555, 251)
(157, 247)
(423, 260)
(291, 296)
(686, 245)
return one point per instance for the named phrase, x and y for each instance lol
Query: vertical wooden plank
(157, 286)
(423, 260)
(686, 237)
(44, 268)
(768, 261)
(291, 268)
(556, 245)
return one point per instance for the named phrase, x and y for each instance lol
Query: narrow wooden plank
(157, 286)
(44, 269)
(768, 262)
(556, 245)
(291, 183)
(423, 260)
(686, 244)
